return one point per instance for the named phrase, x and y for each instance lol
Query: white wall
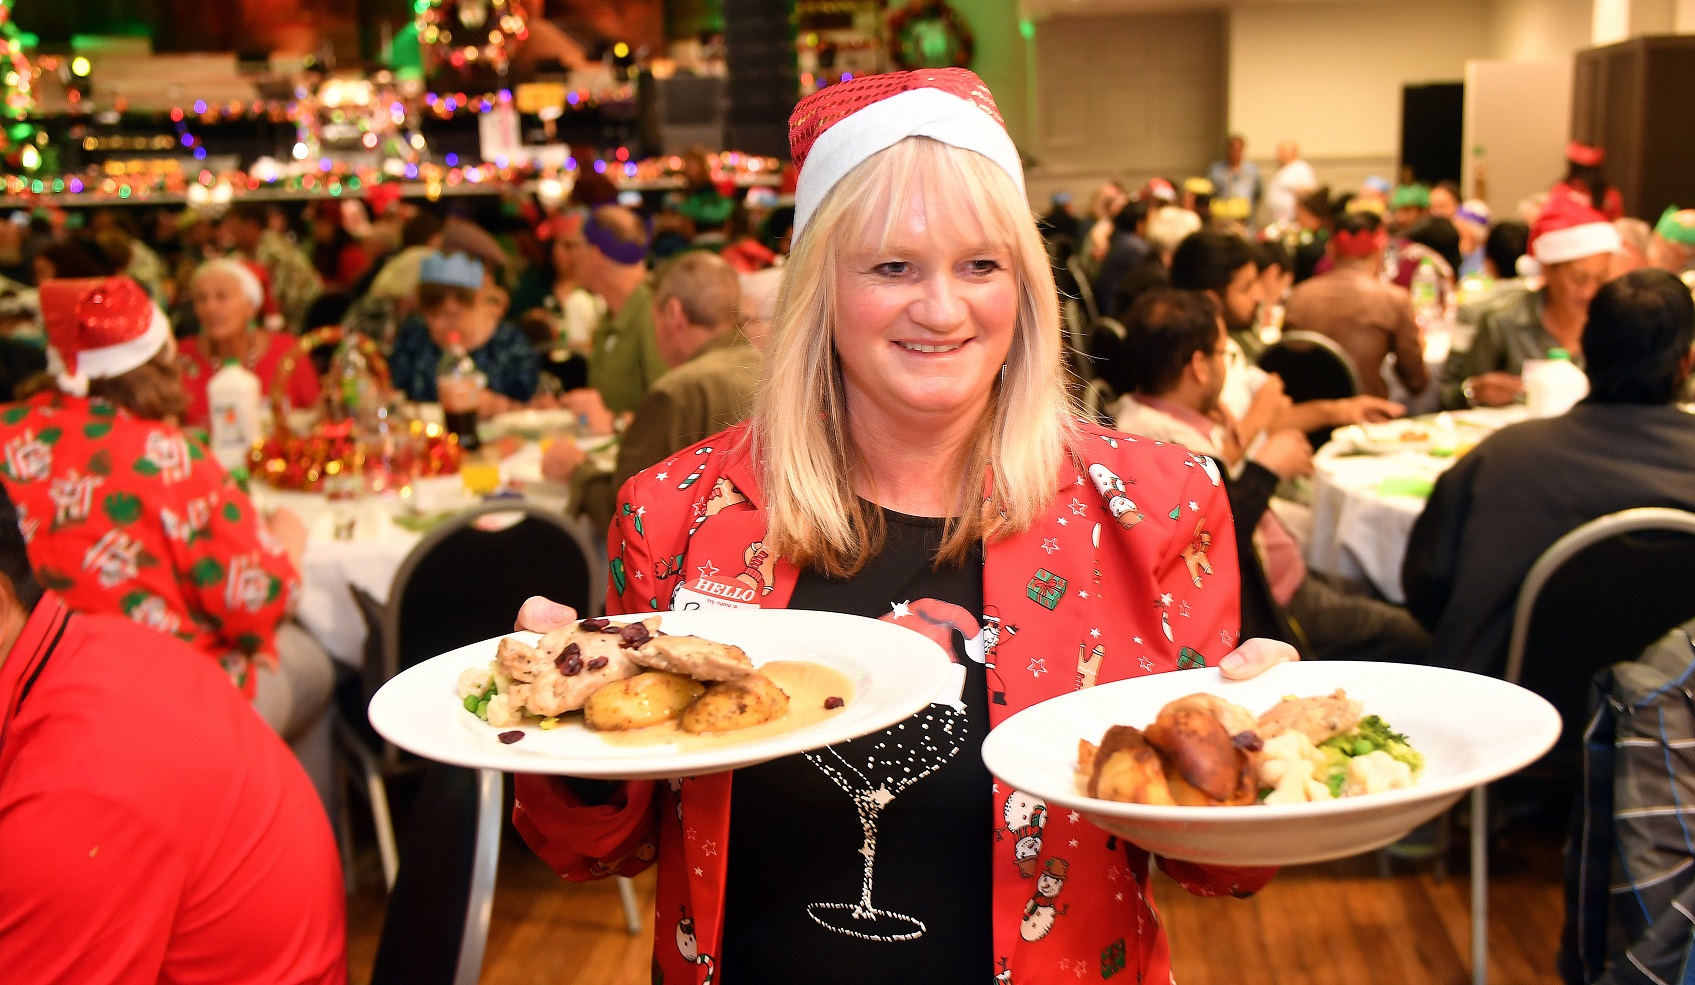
(1329, 75)
(1538, 30)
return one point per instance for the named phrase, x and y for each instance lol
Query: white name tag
(709, 593)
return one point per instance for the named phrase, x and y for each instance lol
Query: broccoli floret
(1335, 780)
(1376, 731)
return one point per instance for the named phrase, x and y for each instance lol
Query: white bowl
(1471, 729)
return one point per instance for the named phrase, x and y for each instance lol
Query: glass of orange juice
(480, 474)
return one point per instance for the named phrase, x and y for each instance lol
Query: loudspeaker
(759, 41)
(681, 113)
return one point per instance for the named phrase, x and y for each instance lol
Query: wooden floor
(1333, 924)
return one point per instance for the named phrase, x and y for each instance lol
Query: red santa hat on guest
(1567, 230)
(1580, 153)
(98, 328)
(837, 128)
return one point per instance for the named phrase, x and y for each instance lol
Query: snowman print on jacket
(688, 945)
(1041, 912)
(1026, 816)
(1118, 501)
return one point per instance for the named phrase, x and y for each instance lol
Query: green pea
(482, 709)
(1363, 746)
(471, 702)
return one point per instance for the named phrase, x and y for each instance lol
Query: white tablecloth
(378, 546)
(1360, 528)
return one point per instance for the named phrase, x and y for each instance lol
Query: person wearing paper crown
(913, 456)
(1672, 247)
(456, 299)
(1571, 247)
(126, 515)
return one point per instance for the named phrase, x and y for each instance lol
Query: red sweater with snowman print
(1130, 571)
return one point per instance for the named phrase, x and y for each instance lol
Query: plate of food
(1390, 437)
(666, 695)
(1307, 762)
(530, 423)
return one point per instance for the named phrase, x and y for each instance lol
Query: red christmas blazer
(1131, 570)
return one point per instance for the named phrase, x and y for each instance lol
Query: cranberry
(597, 663)
(832, 703)
(1247, 741)
(592, 625)
(511, 737)
(633, 635)
(563, 661)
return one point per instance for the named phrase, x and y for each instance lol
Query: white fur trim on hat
(915, 113)
(114, 360)
(249, 281)
(1575, 242)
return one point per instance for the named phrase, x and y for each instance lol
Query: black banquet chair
(437, 921)
(462, 583)
(1599, 596)
(1313, 367)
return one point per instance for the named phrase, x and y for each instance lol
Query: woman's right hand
(539, 615)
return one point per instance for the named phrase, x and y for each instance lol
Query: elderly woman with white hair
(228, 296)
(912, 455)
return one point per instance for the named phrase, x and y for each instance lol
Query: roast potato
(1203, 767)
(736, 704)
(1126, 769)
(637, 702)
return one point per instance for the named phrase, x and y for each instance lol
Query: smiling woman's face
(924, 319)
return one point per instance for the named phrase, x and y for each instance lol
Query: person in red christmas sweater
(912, 456)
(124, 514)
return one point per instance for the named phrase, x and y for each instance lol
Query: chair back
(463, 583)
(1085, 292)
(1313, 367)
(1599, 596)
(436, 926)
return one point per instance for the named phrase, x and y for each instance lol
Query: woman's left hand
(1254, 657)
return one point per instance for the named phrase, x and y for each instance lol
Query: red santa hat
(1568, 230)
(1583, 154)
(837, 128)
(98, 328)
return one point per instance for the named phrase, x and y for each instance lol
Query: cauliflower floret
(473, 680)
(1376, 772)
(1291, 765)
(502, 713)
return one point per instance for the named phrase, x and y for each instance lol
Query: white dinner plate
(1471, 730)
(531, 423)
(896, 673)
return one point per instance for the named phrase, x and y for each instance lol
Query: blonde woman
(911, 456)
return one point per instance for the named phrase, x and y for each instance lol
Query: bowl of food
(1307, 762)
(667, 695)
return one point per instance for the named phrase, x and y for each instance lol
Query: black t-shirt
(899, 818)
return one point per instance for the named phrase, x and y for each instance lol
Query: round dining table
(1366, 496)
(363, 541)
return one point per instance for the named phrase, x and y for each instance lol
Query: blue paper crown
(458, 270)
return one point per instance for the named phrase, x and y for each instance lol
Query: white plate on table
(1471, 729)
(895, 672)
(531, 423)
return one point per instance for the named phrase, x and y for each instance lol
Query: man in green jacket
(710, 385)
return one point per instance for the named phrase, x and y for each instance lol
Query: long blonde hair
(801, 431)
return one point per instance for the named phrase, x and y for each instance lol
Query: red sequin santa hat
(837, 128)
(1567, 230)
(98, 328)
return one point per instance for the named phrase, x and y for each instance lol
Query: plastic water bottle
(1426, 290)
(233, 395)
(459, 387)
(1554, 385)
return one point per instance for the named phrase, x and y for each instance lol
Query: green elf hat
(1410, 197)
(1677, 226)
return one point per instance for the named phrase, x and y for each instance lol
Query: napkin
(1406, 485)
